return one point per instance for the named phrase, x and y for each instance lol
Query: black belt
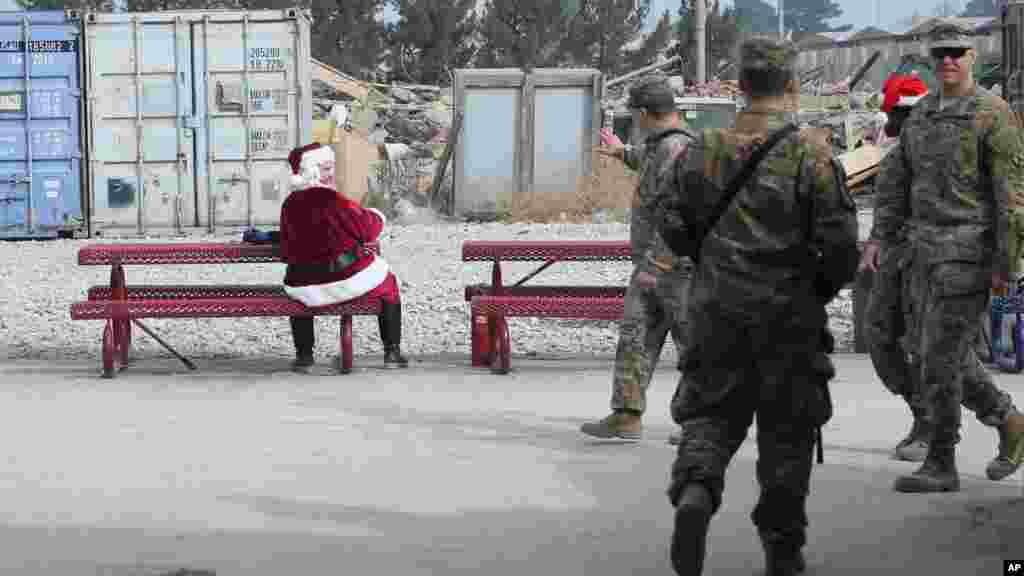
(337, 265)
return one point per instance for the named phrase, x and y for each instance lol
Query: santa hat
(900, 90)
(305, 162)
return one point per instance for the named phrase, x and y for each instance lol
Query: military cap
(653, 93)
(768, 54)
(949, 35)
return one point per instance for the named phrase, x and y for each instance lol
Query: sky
(859, 13)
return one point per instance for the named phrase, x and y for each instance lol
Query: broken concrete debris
(400, 131)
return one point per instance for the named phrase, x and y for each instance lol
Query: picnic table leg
(500, 357)
(346, 344)
(109, 351)
(502, 361)
(481, 328)
(122, 329)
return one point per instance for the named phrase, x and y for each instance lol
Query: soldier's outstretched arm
(835, 227)
(1006, 161)
(891, 189)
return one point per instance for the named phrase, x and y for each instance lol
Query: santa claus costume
(324, 238)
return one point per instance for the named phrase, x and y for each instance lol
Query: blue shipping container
(40, 145)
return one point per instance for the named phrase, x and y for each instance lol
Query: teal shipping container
(40, 125)
(190, 116)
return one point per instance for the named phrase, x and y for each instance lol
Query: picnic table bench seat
(122, 306)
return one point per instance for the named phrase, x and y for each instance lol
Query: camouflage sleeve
(673, 204)
(835, 226)
(1006, 162)
(891, 189)
(659, 255)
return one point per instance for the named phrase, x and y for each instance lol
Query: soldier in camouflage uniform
(656, 297)
(756, 310)
(946, 186)
(884, 327)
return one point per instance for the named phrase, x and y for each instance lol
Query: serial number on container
(38, 59)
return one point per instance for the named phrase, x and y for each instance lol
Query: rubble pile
(403, 130)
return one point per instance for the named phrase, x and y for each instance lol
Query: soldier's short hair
(654, 94)
(767, 65)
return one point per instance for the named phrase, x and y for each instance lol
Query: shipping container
(40, 125)
(523, 133)
(191, 116)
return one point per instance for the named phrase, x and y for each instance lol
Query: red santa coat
(317, 226)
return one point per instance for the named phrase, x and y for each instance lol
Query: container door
(142, 133)
(250, 99)
(40, 154)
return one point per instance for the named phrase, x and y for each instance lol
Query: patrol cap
(652, 93)
(769, 55)
(949, 35)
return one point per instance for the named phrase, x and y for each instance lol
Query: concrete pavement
(245, 468)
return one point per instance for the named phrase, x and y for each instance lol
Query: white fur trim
(315, 157)
(342, 290)
(383, 219)
(908, 100)
(309, 167)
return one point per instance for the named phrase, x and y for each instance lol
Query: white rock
(40, 280)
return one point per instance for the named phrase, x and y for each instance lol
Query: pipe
(643, 70)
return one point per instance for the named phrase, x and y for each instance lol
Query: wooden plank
(339, 81)
(862, 159)
(442, 164)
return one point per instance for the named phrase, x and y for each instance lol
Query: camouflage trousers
(944, 300)
(885, 323)
(733, 370)
(650, 315)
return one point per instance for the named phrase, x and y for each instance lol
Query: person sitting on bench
(324, 238)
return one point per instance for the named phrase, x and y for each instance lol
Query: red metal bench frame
(122, 305)
(491, 305)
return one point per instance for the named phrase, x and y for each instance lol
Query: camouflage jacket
(949, 180)
(754, 262)
(654, 161)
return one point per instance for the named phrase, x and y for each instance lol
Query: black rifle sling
(737, 183)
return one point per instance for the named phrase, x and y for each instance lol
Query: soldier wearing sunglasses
(947, 184)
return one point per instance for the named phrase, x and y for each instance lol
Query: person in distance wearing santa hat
(324, 238)
(883, 311)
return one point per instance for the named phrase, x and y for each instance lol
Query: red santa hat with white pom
(305, 163)
(903, 90)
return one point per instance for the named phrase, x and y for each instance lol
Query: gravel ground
(40, 280)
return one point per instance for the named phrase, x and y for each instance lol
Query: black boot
(390, 324)
(689, 537)
(914, 448)
(937, 474)
(782, 557)
(304, 338)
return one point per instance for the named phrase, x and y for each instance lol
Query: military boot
(390, 324)
(624, 424)
(303, 364)
(937, 474)
(689, 536)
(781, 557)
(914, 448)
(1011, 448)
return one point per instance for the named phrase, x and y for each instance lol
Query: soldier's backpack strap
(698, 234)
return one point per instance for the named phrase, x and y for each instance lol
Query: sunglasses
(954, 53)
